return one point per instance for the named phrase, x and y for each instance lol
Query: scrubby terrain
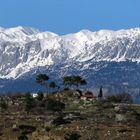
(66, 116)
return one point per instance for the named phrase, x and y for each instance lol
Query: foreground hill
(64, 116)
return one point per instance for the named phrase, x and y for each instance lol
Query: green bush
(23, 137)
(47, 128)
(40, 96)
(29, 102)
(27, 129)
(59, 121)
(3, 104)
(54, 105)
(120, 98)
(72, 136)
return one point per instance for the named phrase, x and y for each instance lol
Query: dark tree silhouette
(54, 86)
(100, 95)
(42, 79)
(40, 96)
(74, 80)
(89, 93)
(67, 81)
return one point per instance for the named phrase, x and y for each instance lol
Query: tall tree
(100, 95)
(74, 80)
(53, 85)
(42, 79)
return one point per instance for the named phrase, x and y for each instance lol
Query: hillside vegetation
(67, 113)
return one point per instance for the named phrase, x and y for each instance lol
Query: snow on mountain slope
(23, 49)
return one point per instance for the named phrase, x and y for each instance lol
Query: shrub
(26, 129)
(54, 105)
(72, 136)
(66, 89)
(47, 128)
(3, 104)
(89, 93)
(120, 98)
(40, 96)
(59, 121)
(29, 102)
(23, 137)
(79, 91)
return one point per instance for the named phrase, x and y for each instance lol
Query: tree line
(68, 81)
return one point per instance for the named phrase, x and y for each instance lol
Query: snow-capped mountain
(24, 51)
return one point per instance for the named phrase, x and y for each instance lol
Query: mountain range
(104, 58)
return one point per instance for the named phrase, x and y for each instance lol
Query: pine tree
(42, 79)
(100, 96)
(74, 80)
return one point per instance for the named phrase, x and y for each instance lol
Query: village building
(88, 97)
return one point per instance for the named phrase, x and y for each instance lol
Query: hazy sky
(65, 16)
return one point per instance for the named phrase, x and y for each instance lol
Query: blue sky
(66, 16)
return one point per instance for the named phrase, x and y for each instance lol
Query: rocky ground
(81, 120)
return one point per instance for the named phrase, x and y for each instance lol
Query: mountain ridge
(104, 57)
(36, 48)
